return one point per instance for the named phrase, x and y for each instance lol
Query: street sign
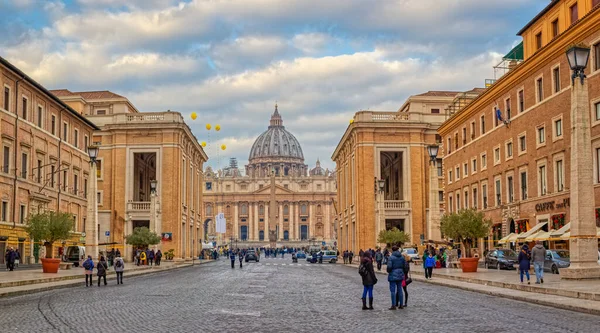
(323, 243)
(107, 233)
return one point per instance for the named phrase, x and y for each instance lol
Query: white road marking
(255, 286)
(236, 313)
(248, 295)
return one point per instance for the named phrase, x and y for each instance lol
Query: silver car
(555, 260)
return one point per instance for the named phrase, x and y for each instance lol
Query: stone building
(45, 165)
(304, 198)
(391, 146)
(137, 148)
(517, 171)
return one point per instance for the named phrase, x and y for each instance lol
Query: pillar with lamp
(91, 226)
(379, 193)
(154, 221)
(583, 240)
(433, 225)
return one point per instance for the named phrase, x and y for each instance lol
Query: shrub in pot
(466, 227)
(50, 227)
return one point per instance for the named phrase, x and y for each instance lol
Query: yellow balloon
(203, 143)
(217, 127)
(194, 115)
(223, 147)
(208, 127)
(351, 121)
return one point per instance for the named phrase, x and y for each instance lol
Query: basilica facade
(303, 198)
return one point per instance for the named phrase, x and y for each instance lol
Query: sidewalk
(581, 296)
(31, 281)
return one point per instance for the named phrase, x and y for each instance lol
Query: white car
(412, 253)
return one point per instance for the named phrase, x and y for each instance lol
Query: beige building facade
(137, 148)
(305, 211)
(45, 165)
(389, 146)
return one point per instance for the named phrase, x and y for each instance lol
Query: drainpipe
(14, 212)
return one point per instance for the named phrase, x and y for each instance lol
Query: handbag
(408, 280)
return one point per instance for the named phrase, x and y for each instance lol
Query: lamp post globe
(153, 184)
(433, 151)
(381, 184)
(93, 153)
(578, 57)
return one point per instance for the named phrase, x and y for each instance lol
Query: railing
(138, 206)
(146, 117)
(396, 204)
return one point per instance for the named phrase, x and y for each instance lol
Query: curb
(77, 280)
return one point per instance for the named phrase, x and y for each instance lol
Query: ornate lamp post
(433, 227)
(380, 191)
(583, 241)
(91, 226)
(153, 218)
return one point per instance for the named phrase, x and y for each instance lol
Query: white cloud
(311, 43)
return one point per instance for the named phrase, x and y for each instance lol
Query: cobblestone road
(273, 296)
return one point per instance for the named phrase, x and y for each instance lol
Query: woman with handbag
(369, 279)
(407, 279)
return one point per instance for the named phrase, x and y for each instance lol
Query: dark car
(502, 259)
(301, 255)
(556, 259)
(251, 255)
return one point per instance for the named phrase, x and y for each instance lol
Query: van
(76, 255)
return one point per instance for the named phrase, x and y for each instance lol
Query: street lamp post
(433, 227)
(154, 227)
(583, 241)
(91, 226)
(380, 188)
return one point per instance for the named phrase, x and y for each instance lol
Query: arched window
(261, 235)
(286, 235)
(303, 232)
(244, 232)
(303, 209)
(244, 209)
(228, 210)
(286, 210)
(261, 210)
(319, 209)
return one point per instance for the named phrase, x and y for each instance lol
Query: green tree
(393, 237)
(142, 237)
(465, 227)
(49, 227)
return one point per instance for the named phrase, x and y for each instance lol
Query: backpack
(119, 264)
(87, 265)
(362, 270)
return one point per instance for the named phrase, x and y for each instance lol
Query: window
(450, 180)
(52, 171)
(458, 201)
(523, 185)
(65, 132)
(554, 28)
(39, 171)
(483, 161)
(596, 50)
(466, 199)
(75, 184)
(4, 213)
(542, 179)
(509, 150)
(450, 204)
(99, 198)
(455, 141)
(40, 114)
(597, 109)
(511, 189)
(439, 167)
(7, 98)
(22, 213)
(24, 165)
(98, 169)
(541, 135)
(319, 187)
(574, 13)
(522, 143)
(464, 135)
(475, 198)
(86, 143)
(435, 110)
(100, 112)
(498, 192)
(507, 106)
(497, 155)
(76, 138)
(449, 145)
(560, 176)
(473, 130)
(556, 79)
(208, 186)
(65, 183)
(53, 125)
(441, 196)
(539, 84)
(466, 169)
(474, 165)
(484, 194)
(85, 186)
(538, 41)
(227, 188)
(458, 172)
(482, 124)
(5, 159)
(558, 128)
(24, 109)
(303, 209)
(521, 100)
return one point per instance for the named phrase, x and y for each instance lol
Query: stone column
(266, 219)
(91, 224)
(583, 240)
(433, 225)
(256, 230)
(311, 221)
(292, 221)
(280, 219)
(236, 234)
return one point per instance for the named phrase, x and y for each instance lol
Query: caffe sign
(552, 205)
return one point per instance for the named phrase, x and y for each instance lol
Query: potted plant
(393, 237)
(50, 227)
(169, 255)
(142, 237)
(466, 227)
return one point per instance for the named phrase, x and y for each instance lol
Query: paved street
(272, 296)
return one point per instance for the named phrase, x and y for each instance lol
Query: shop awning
(565, 236)
(506, 239)
(562, 230)
(543, 235)
(536, 228)
(534, 236)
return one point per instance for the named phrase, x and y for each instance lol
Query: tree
(393, 237)
(465, 227)
(142, 237)
(49, 227)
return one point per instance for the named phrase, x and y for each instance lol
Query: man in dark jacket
(350, 256)
(369, 279)
(538, 255)
(345, 255)
(395, 268)
(232, 257)
(379, 259)
(151, 257)
(10, 259)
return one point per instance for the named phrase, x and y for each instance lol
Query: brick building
(45, 165)
(391, 146)
(517, 171)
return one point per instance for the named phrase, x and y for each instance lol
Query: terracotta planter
(50, 265)
(469, 265)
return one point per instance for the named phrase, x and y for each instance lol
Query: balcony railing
(138, 206)
(381, 116)
(396, 204)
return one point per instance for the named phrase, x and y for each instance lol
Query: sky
(230, 61)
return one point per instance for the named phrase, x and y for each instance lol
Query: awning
(565, 236)
(542, 235)
(534, 236)
(506, 239)
(532, 231)
(562, 230)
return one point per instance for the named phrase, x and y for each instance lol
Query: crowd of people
(102, 268)
(147, 257)
(12, 258)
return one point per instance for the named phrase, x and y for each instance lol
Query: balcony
(138, 206)
(396, 117)
(138, 118)
(396, 208)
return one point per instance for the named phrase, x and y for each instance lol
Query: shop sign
(551, 205)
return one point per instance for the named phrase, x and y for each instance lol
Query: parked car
(301, 255)
(501, 259)
(251, 255)
(330, 256)
(76, 255)
(555, 260)
(412, 253)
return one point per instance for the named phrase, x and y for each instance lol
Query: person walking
(158, 257)
(88, 265)
(241, 257)
(395, 268)
(345, 256)
(118, 253)
(524, 262)
(538, 255)
(119, 268)
(102, 268)
(369, 279)
(407, 278)
(151, 257)
(361, 253)
(143, 257)
(232, 257)
(379, 259)
(350, 256)
(17, 258)
(7, 259)
(138, 254)
(429, 265)
(10, 259)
